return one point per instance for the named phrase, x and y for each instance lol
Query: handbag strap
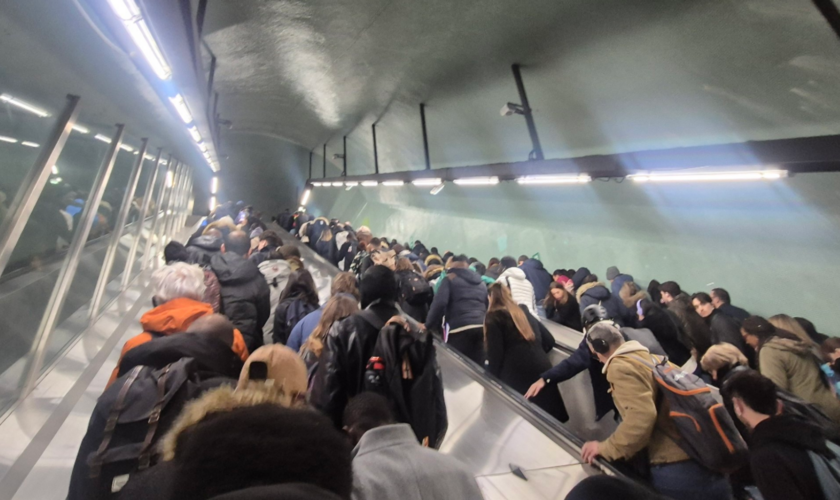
(154, 418)
(111, 423)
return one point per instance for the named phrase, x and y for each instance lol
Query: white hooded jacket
(520, 288)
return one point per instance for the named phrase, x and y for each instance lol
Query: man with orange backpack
(647, 420)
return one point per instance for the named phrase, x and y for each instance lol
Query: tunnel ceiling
(602, 76)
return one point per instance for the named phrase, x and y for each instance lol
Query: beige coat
(794, 368)
(643, 425)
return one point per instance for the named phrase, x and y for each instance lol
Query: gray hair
(606, 331)
(178, 280)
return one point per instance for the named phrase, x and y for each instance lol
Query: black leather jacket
(341, 369)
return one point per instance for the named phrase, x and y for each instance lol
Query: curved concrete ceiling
(616, 76)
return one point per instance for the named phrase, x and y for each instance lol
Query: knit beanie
(612, 273)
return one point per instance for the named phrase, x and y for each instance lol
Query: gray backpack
(828, 470)
(707, 433)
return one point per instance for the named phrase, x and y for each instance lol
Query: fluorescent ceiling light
(317, 184)
(14, 101)
(138, 30)
(169, 178)
(554, 179)
(437, 189)
(305, 199)
(427, 182)
(351, 184)
(81, 129)
(11, 140)
(181, 108)
(337, 184)
(754, 175)
(369, 183)
(212, 203)
(202, 147)
(100, 137)
(194, 133)
(55, 180)
(393, 183)
(301, 209)
(477, 181)
(214, 185)
(30, 144)
(54, 170)
(126, 147)
(149, 157)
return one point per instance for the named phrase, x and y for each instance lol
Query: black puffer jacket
(696, 330)
(203, 248)
(347, 349)
(725, 328)
(462, 298)
(667, 330)
(246, 299)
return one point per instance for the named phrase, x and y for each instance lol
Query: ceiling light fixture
(369, 183)
(10, 140)
(554, 179)
(477, 181)
(54, 170)
(305, 198)
(30, 144)
(212, 203)
(512, 109)
(14, 101)
(138, 30)
(214, 185)
(337, 184)
(393, 183)
(126, 147)
(169, 179)
(351, 184)
(81, 129)
(194, 133)
(427, 182)
(181, 108)
(755, 175)
(317, 184)
(100, 137)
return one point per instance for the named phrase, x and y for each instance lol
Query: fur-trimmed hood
(630, 294)
(598, 294)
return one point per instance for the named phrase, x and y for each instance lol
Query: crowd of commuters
(240, 358)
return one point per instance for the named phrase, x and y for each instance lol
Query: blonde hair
(403, 264)
(724, 355)
(785, 322)
(500, 299)
(336, 309)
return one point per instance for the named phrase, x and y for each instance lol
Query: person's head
(592, 278)
(378, 283)
(249, 449)
(275, 367)
(831, 349)
(337, 308)
(720, 358)
(213, 232)
(174, 251)
(557, 294)
(460, 261)
(521, 260)
(720, 297)
(756, 331)
(344, 283)
(479, 268)
(810, 329)
(501, 300)
(269, 239)
(492, 262)
(288, 251)
(216, 326)
(178, 280)
(364, 412)
(785, 322)
(669, 291)
(374, 244)
(603, 340)
(447, 256)
(653, 291)
(646, 308)
(434, 251)
(507, 262)
(403, 264)
(702, 303)
(301, 285)
(237, 242)
(433, 260)
(612, 273)
(753, 397)
(363, 234)
(592, 315)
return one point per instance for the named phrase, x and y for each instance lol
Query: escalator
(514, 448)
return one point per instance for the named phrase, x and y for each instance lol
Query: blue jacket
(304, 329)
(582, 359)
(597, 293)
(628, 314)
(462, 298)
(540, 278)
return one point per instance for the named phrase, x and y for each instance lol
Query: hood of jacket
(579, 276)
(207, 242)
(628, 347)
(596, 290)
(232, 269)
(275, 269)
(513, 273)
(174, 316)
(619, 282)
(471, 277)
(630, 294)
(789, 429)
(533, 264)
(795, 346)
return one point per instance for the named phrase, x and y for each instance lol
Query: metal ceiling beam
(375, 152)
(425, 136)
(537, 151)
(830, 12)
(802, 155)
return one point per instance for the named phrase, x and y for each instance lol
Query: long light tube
(317, 184)
(103, 138)
(54, 169)
(214, 185)
(477, 181)
(337, 184)
(169, 179)
(554, 179)
(393, 183)
(194, 133)
(755, 175)
(305, 198)
(126, 147)
(14, 101)
(10, 140)
(81, 129)
(30, 144)
(351, 184)
(212, 203)
(181, 108)
(369, 183)
(138, 30)
(427, 182)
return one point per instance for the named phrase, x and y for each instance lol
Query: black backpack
(404, 369)
(296, 311)
(414, 289)
(126, 424)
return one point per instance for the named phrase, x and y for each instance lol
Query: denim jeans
(689, 481)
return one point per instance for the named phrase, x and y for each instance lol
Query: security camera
(338, 156)
(512, 109)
